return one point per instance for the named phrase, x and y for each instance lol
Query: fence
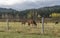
(50, 26)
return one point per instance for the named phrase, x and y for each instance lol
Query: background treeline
(47, 12)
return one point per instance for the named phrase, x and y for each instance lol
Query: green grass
(17, 30)
(20, 35)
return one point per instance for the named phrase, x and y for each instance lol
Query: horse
(56, 22)
(31, 22)
(23, 22)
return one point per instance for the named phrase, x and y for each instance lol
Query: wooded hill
(29, 13)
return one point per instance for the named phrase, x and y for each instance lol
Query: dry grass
(49, 28)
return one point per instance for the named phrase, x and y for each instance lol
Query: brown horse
(31, 22)
(23, 22)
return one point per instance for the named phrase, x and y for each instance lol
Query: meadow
(18, 30)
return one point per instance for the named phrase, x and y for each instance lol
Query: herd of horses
(33, 22)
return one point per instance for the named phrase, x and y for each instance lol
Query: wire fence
(50, 26)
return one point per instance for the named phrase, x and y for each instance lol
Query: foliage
(55, 15)
(29, 13)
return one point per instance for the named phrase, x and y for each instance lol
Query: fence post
(42, 25)
(7, 20)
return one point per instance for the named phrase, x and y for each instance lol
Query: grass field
(19, 35)
(17, 30)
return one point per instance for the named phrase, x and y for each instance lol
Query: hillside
(44, 11)
(30, 13)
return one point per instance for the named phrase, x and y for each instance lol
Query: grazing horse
(31, 22)
(56, 22)
(23, 22)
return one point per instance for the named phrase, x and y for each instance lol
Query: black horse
(56, 22)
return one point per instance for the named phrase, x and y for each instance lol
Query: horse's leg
(28, 24)
(35, 24)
